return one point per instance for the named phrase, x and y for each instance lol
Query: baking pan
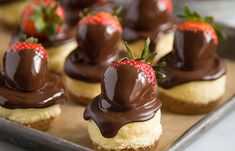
(33, 140)
(202, 126)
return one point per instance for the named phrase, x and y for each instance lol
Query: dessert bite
(29, 94)
(126, 114)
(98, 37)
(195, 77)
(149, 18)
(10, 11)
(45, 20)
(74, 8)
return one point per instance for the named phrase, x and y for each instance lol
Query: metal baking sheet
(30, 139)
(33, 140)
(202, 126)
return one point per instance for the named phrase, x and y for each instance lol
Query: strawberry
(42, 19)
(29, 44)
(166, 4)
(143, 64)
(199, 26)
(101, 18)
(195, 23)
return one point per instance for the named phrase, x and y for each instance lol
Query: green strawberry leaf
(190, 15)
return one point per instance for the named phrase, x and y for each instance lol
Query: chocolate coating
(193, 58)
(127, 96)
(98, 47)
(25, 70)
(145, 18)
(52, 93)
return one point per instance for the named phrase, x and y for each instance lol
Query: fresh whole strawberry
(25, 66)
(42, 19)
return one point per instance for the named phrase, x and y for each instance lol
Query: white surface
(221, 10)
(220, 138)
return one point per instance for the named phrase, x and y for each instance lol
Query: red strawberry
(25, 66)
(29, 46)
(166, 4)
(102, 18)
(143, 64)
(199, 26)
(42, 19)
(195, 23)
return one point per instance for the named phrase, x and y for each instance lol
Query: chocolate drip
(26, 83)
(145, 18)
(126, 97)
(66, 35)
(51, 93)
(98, 47)
(25, 70)
(192, 59)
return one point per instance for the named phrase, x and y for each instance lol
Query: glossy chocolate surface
(51, 93)
(25, 70)
(193, 59)
(26, 83)
(126, 97)
(98, 47)
(146, 18)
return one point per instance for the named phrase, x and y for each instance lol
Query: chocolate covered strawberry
(42, 19)
(195, 23)
(99, 36)
(102, 18)
(25, 65)
(143, 64)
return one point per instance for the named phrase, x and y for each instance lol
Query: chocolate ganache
(98, 48)
(127, 96)
(193, 58)
(147, 18)
(26, 83)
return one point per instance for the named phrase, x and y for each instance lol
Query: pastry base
(82, 100)
(182, 107)
(79, 91)
(146, 148)
(58, 54)
(42, 125)
(163, 47)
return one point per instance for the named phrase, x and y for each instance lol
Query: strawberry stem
(145, 49)
(46, 19)
(190, 15)
(24, 38)
(146, 58)
(130, 53)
